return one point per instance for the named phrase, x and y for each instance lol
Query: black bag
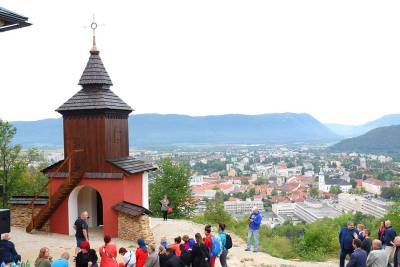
(228, 242)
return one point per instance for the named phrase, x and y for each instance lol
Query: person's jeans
(343, 254)
(250, 234)
(222, 258)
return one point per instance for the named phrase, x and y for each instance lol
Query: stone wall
(133, 228)
(21, 216)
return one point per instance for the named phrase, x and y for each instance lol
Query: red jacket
(208, 242)
(141, 257)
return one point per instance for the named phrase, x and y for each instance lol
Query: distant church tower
(321, 180)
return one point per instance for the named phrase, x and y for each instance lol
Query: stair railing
(54, 174)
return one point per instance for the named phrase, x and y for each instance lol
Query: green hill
(384, 140)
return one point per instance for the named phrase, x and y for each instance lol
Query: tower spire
(93, 26)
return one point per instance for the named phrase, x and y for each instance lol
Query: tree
(215, 212)
(392, 193)
(335, 189)
(172, 179)
(244, 181)
(8, 157)
(314, 192)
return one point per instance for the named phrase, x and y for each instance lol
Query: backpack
(228, 242)
(216, 246)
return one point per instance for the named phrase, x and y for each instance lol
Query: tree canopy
(172, 179)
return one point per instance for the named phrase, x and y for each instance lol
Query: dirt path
(29, 244)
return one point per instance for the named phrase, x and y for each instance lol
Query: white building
(325, 186)
(373, 186)
(363, 163)
(371, 206)
(311, 211)
(283, 208)
(197, 180)
(240, 206)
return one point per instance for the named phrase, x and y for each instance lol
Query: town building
(376, 207)
(325, 186)
(240, 206)
(311, 211)
(373, 186)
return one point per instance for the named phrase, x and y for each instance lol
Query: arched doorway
(85, 198)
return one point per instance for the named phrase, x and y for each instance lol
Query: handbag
(169, 210)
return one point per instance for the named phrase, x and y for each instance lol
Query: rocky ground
(28, 245)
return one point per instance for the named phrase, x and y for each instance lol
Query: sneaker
(255, 251)
(247, 249)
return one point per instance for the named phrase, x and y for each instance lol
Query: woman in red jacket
(141, 253)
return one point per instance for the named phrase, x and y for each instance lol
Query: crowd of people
(198, 251)
(365, 252)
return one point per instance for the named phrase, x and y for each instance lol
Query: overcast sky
(336, 60)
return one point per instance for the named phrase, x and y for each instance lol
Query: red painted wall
(112, 192)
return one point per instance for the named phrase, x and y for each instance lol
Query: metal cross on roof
(93, 26)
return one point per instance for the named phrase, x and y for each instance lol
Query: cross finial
(93, 26)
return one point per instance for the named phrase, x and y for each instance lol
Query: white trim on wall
(145, 190)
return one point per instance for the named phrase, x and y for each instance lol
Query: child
(164, 242)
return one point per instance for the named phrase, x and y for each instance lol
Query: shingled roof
(95, 94)
(131, 209)
(132, 165)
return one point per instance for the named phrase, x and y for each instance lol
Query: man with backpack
(212, 244)
(226, 243)
(254, 227)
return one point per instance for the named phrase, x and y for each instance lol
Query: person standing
(152, 259)
(396, 257)
(108, 253)
(7, 250)
(389, 237)
(377, 257)
(87, 257)
(381, 232)
(44, 258)
(346, 237)
(367, 242)
(173, 260)
(128, 257)
(200, 253)
(208, 243)
(224, 253)
(164, 207)
(62, 261)
(359, 257)
(254, 227)
(141, 253)
(82, 230)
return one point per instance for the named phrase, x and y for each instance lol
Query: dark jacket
(389, 236)
(358, 258)
(200, 256)
(366, 245)
(82, 259)
(174, 261)
(163, 258)
(8, 252)
(346, 238)
(186, 256)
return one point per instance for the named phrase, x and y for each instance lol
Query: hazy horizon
(337, 61)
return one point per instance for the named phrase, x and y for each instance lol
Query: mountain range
(165, 130)
(356, 130)
(380, 140)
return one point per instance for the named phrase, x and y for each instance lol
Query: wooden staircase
(57, 198)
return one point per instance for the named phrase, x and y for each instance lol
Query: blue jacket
(358, 258)
(8, 252)
(390, 234)
(346, 238)
(222, 236)
(256, 221)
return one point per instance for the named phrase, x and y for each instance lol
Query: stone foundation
(135, 227)
(21, 216)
